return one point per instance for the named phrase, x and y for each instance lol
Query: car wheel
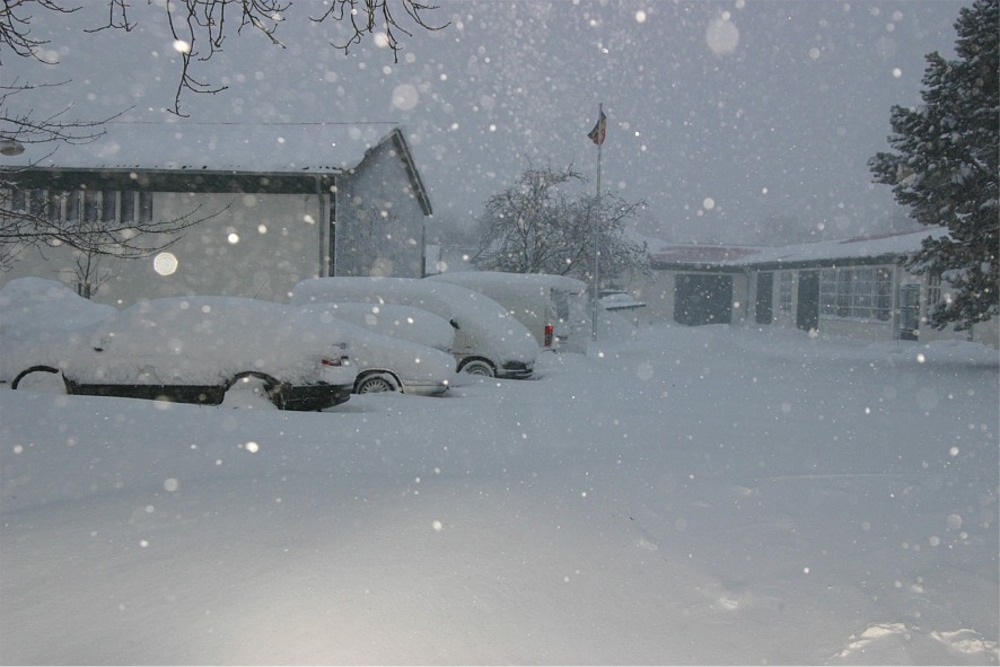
(43, 379)
(252, 391)
(376, 383)
(479, 367)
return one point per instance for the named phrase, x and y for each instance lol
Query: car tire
(479, 367)
(42, 379)
(376, 383)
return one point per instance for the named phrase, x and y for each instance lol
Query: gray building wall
(379, 219)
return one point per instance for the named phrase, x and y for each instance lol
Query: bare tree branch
(21, 228)
(15, 26)
(27, 128)
(200, 27)
(376, 15)
(537, 227)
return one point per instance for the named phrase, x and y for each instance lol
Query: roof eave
(170, 180)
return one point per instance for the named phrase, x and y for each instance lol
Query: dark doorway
(807, 313)
(703, 299)
(909, 312)
(765, 294)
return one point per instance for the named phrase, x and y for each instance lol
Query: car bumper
(314, 397)
(435, 389)
(515, 370)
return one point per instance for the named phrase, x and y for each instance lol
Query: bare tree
(200, 27)
(90, 275)
(28, 224)
(536, 226)
(23, 129)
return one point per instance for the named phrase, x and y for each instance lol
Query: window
(861, 294)
(91, 206)
(145, 207)
(933, 289)
(72, 206)
(785, 279)
(109, 205)
(128, 207)
(36, 203)
(18, 200)
(55, 209)
(87, 205)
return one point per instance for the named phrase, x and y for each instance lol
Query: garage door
(703, 299)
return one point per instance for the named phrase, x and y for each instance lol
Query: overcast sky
(722, 115)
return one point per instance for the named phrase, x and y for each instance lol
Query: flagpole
(596, 232)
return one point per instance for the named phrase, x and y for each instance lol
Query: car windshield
(706, 369)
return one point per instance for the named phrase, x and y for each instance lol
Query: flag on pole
(600, 130)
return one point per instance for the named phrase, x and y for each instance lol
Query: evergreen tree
(944, 167)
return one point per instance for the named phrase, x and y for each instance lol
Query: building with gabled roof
(277, 203)
(857, 287)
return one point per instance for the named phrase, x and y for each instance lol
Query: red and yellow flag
(600, 130)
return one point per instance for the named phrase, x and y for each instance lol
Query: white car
(35, 316)
(403, 322)
(196, 349)
(488, 340)
(384, 363)
(554, 308)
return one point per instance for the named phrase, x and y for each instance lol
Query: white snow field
(710, 495)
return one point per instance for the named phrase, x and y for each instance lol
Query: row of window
(864, 294)
(89, 206)
(858, 293)
(785, 279)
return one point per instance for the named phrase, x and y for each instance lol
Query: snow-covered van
(488, 340)
(554, 308)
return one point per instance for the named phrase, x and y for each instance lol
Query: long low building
(857, 287)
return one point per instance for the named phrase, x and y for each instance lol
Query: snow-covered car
(35, 315)
(488, 341)
(554, 308)
(384, 363)
(403, 322)
(621, 300)
(196, 349)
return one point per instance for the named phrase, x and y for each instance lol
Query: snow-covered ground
(684, 495)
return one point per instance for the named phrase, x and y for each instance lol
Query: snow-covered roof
(498, 280)
(901, 244)
(278, 147)
(274, 156)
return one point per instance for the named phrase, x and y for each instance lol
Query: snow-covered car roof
(404, 322)
(499, 280)
(204, 339)
(620, 301)
(497, 334)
